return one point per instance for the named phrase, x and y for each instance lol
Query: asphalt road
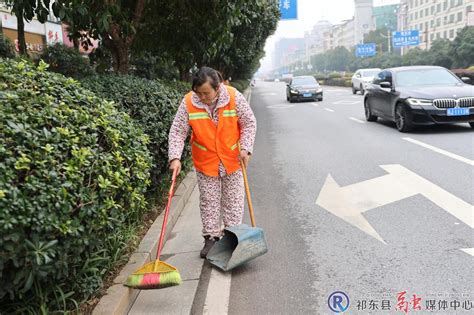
(409, 236)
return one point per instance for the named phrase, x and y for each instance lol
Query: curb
(118, 299)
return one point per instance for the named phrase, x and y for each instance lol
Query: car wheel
(354, 91)
(321, 98)
(362, 91)
(368, 112)
(471, 124)
(402, 120)
(287, 98)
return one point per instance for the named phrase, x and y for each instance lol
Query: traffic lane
(423, 206)
(441, 136)
(277, 281)
(376, 137)
(428, 247)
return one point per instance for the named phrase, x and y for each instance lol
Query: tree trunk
(123, 58)
(21, 32)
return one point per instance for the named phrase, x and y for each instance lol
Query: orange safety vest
(210, 143)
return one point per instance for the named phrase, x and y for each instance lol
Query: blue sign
(288, 10)
(406, 38)
(365, 50)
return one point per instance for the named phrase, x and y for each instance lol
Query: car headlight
(293, 91)
(319, 90)
(419, 101)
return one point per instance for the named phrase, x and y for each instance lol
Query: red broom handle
(165, 218)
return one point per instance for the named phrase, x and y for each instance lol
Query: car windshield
(304, 81)
(423, 77)
(370, 73)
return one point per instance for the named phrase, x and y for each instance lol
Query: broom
(157, 274)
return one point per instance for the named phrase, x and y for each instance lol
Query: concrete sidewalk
(182, 251)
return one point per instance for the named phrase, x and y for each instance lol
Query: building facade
(435, 19)
(286, 50)
(385, 16)
(314, 39)
(363, 19)
(37, 35)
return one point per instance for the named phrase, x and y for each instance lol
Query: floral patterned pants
(221, 197)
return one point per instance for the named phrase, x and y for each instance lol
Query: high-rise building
(363, 20)
(385, 16)
(314, 39)
(434, 19)
(285, 51)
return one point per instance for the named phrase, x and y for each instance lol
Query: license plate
(458, 111)
(307, 94)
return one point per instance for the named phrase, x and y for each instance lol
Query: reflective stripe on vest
(194, 116)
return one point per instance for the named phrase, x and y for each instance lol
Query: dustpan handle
(165, 218)
(247, 192)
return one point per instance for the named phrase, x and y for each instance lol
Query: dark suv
(419, 95)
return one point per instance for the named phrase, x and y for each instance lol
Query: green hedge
(153, 105)
(67, 61)
(240, 85)
(6, 47)
(72, 181)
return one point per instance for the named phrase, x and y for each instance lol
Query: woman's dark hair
(206, 74)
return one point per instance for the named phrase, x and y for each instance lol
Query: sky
(309, 12)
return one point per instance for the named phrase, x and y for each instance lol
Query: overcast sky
(309, 12)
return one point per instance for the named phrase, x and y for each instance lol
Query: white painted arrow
(349, 202)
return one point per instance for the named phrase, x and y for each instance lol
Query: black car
(304, 88)
(419, 95)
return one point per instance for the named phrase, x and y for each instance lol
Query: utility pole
(388, 41)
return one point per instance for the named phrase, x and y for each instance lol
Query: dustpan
(240, 243)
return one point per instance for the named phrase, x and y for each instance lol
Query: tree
(416, 56)
(188, 32)
(440, 53)
(241, 58)
(114, 22)
(463, 47)
(339, 59)
(27, 10)
(379, 37)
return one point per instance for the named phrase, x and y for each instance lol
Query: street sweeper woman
(223, 130)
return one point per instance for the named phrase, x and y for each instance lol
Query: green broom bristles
(154, 280)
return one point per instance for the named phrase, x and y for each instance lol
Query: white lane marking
(440, 151)
(315, 104)
(469, 251)
(350, 202)
(329, 110)
(267, 94)
(357, 120)
(345, 102)
(218, 293)
(250, 97)
(280, 106)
